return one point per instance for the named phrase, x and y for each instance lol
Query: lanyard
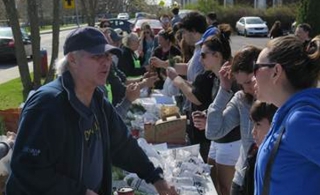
(136, 61)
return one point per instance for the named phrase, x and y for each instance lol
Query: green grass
(11, 94)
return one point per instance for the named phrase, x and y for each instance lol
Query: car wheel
(238, 33)
(245, 33)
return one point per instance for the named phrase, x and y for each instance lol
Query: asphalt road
(9, 70)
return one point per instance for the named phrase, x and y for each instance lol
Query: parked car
(124, 25)
(155, 25)
(124, 16)
(251, 26)
(7, 47)
(141, 15)
(184, 12)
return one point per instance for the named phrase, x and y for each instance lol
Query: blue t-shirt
(93, 156)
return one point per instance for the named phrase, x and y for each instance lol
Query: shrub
(309, 13)
(231, 14)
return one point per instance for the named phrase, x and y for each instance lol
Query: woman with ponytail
(288, 160)
(215, 51)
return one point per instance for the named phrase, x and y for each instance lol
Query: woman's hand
(199, 119)
(149, 82)
(132, 91)
(172, 73)
(11, 137)
(225, 76)
(163, 188)
(156, 62)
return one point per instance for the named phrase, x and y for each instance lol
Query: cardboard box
(171, 130)
(10, 117)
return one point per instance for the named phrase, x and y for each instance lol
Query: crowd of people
(255, 115)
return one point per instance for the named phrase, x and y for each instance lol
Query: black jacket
(48, 153)
(126, 63)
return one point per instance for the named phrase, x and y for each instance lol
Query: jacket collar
(68, 86)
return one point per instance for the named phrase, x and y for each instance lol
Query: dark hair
(186, 50)
(176, 27)
(301, 65)
(194, 22)
(103, 22)
(306, 27)
(179, 35)
(167, 35)
(243, 60)
(175, 11)
(260, 110)
(276, 25)
(212, 16)
(146, 26)
(221, 41)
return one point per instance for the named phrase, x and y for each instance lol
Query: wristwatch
(157, 175)
(8, 146)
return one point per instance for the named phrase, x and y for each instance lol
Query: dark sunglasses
(203, 54)
(147, 32)
(257, 66)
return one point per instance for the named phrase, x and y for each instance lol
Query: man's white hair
(62, 65)
(127, 39)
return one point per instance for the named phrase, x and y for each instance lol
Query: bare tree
(55, 39)
(19, 47)
(35, 38)
(90, 8)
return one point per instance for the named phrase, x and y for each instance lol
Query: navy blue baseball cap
(89, 39)
(209, 32)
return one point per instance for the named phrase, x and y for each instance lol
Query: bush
(309, 13)
(286, 14)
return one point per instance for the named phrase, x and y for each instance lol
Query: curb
(63, 29)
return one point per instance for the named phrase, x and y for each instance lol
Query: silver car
(252, 26)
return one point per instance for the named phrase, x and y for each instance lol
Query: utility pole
(77, 14)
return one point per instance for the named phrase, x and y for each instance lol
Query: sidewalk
(13, 72)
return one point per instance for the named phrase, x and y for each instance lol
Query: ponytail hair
(301, 63)
(168, 35)
(220, 41)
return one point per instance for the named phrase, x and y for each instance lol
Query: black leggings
(236, 189)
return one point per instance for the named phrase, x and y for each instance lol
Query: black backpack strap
(267, 174)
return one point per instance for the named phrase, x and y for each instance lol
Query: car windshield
(152, 23)
(6, 32)
(254, 21)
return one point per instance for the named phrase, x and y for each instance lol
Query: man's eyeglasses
(203, 54)
(257, 66)
(100, 56)
(147, 32)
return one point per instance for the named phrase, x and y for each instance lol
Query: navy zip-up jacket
(48, 153)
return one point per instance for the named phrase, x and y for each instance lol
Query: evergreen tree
(309, 13)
